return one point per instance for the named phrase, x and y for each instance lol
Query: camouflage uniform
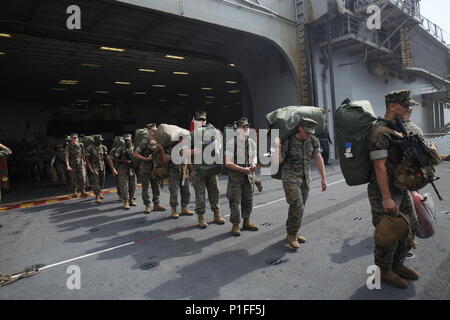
(295, 176)
(240, 188)
(381, 147)
(175, 172)
(127, 173)
(78, 165)
(60, 166)
(4, 153)
(116, 178)
(201, 185)
(96, 156)
(145, 148)
(412, 127)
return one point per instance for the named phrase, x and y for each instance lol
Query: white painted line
(133, 242)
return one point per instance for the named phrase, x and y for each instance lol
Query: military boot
(133, 203)
(148, 210)
(393, 279)
(292, 241)
(201, 221)
(158, 207)
(187, 212)
(301, 239)
(84, 194)
(405, 272)
(101, 197)
(126, 205)
(248, 226)
(174, 214)
(236, 231)
(217, 218)
(258, 185)
(97, 199)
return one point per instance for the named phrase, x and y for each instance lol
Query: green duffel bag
(86, 141)
(353, 122)
(118, 142)
(167, 134)
(287, 119)
(139, 135)
(204, 169)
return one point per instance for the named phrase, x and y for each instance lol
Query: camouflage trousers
(61, 172)
(127, 183)
(78, 179)
(386, 257)
(147, 180)
(296, 191)
(98, 181)
(201, 185)
(175, 186)
(239, 193)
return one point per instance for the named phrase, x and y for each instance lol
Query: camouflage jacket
(75, 153)
(381, 147)
(241, 154)
(145, 148)
(96, 156)
(296, 156)
(122, 153)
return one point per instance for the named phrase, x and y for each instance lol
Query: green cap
(402, 97)
(242, 122)
(200, 115)
(309, 125)
(98, 138)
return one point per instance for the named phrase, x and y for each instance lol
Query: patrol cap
(242, 122)
(127, 136)
(151, 126)
(402, 97)
(73, 135)
(309, 125)
(200, 115)
(98, 137)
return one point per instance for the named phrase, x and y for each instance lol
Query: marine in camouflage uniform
(4, 152)
(76, 165)
(96, 154)
(116, 164)
(295, 156)
(127, 172)
(410, 126)
(241, 159)
(178, 182)
(386, 198)
(146, 152)
(59, 163)
(203, 184)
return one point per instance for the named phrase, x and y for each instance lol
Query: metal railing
(442, 141)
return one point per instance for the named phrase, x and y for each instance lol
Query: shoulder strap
(382, 129)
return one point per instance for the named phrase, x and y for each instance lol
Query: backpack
(204, 169)
(287, 119)
(87, 141)
(139, 135)
(354, 121)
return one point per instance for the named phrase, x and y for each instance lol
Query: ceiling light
(82, 100)
(174, 57)
(163, 100)
(183, 94)
(146, 70)
(5, 35)
(122, 82)
(208, 102)
(210, 97)
(232, 65)
(2, 53)
(206, 88)
(159, 85)
(68, 82)
(234, 91)
(140, 92)
(112, 49)
(99, 91)
(106, 104)
(182, 73)
(230, 82)
(58, 89)
(90, 65)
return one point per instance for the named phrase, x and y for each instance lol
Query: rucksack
(87, 141)
(204, 169)
(139, 135)
(354, 121)
(287, 119)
